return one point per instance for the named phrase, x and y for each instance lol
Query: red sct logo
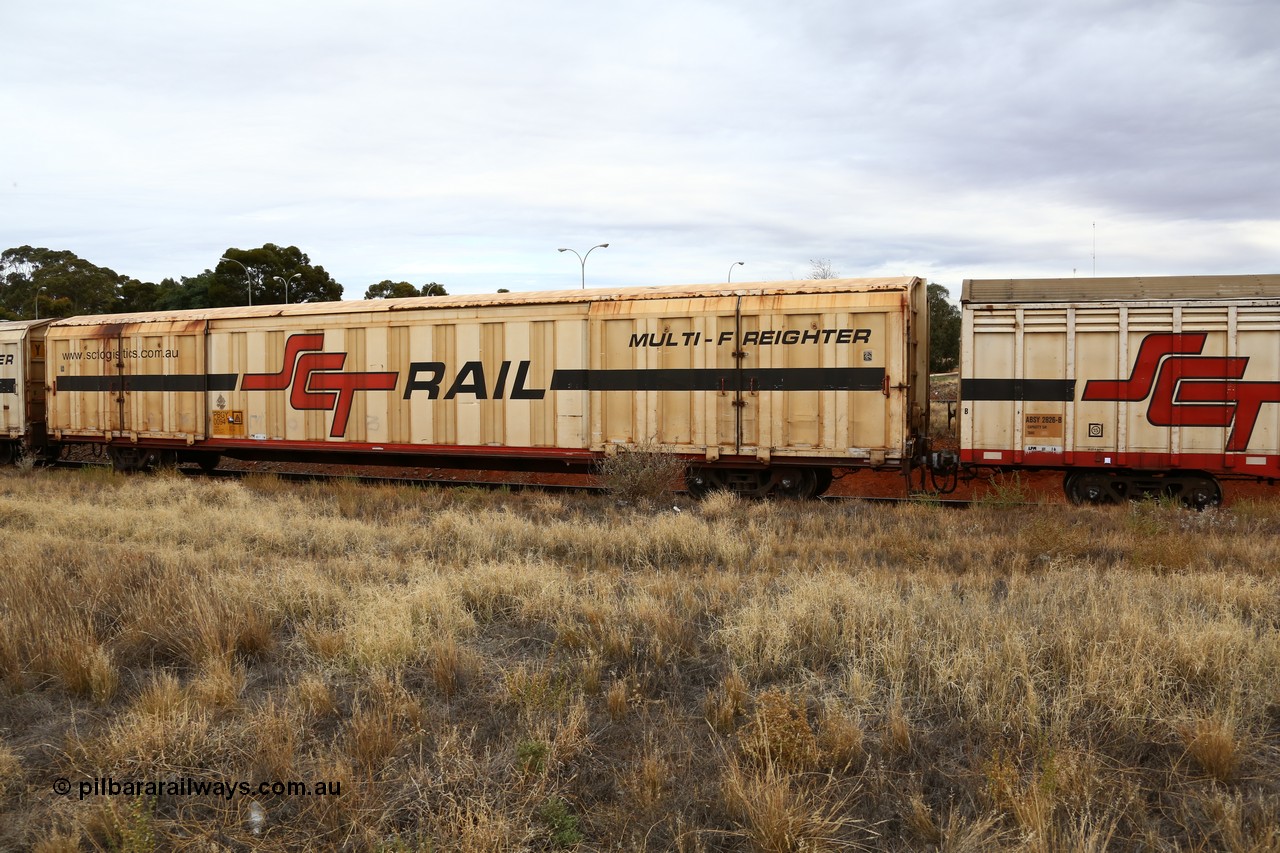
(317, 380)
(1189, 389)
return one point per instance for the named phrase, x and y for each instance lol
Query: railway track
(374, 480)
(363, 479)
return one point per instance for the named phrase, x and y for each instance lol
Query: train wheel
(825, 479)
(1202, 493)
(701, 482)
(8, 453)
(1088, 488)
(208, 462)
(128, 460)
(798, 483)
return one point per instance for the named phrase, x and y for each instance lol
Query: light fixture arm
(285, 283)
(247, 279)
(582, 259)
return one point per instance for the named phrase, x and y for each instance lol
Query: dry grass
(491, 671)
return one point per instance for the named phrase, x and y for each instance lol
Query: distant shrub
(640, 474)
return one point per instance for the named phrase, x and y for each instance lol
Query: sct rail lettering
(428, 376)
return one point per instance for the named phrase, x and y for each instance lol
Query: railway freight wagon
(1131, 386)
(764, 387)
(22, 382)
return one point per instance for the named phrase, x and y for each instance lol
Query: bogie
(798, 483)
(1194, 489)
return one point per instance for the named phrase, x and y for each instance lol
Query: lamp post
(247, 279)
(38, 292)
(731, 266)
(285, 282)
(582, 259)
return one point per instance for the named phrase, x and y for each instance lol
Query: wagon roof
(366, 306)
(1133, 288)
(14, 325)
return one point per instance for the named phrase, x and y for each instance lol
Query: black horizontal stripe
(151, 382)
(710, 379)
(1045, 390)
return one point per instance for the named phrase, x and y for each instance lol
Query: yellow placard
(228, 423)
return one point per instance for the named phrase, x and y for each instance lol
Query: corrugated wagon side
(1130, 385)
(22, 388)
(137, 385)
(765, 387)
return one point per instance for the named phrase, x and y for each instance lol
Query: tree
(944, 331)
(205, 290)
(388, 289)
(821, 269)
(134, 296)
(64, 284)
(264, 274)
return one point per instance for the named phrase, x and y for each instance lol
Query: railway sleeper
(1195, 489)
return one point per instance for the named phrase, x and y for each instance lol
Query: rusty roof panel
(364, 306)
(12, 325)
(1121, 289)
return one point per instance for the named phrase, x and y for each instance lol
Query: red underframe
(435, 455)
(1222, 464)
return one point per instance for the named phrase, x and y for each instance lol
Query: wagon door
(738, 395)
(84, 380)
(143, 382)
(34, 396)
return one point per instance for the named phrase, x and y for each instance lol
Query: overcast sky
(464, 142)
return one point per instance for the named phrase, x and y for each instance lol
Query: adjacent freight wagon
(765, 388)
(22, 388)
(1131, 386)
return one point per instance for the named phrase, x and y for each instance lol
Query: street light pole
(38, 292)
(285, 282)
(731, 266)
(247, 279)
(582, 259)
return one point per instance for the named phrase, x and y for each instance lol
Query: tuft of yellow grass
(782, 813)
(1214, 745)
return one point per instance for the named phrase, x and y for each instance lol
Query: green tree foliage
(63, 283)
(136, 296)
(264, 273)
(197, 291)
(944, 331)
(388, 289)
(68, 285)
